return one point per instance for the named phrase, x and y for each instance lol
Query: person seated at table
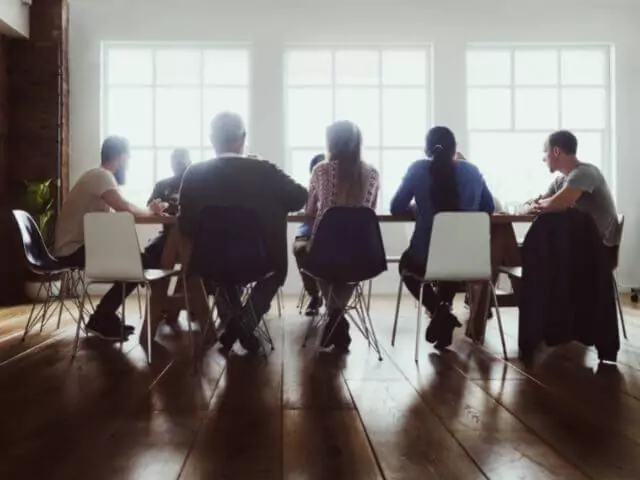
(343, 180)
(167, 191)
(233, 179)
(436, 184)
(300, 252)
(580, 185)
(97, 190)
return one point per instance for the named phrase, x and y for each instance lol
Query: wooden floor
(464, 414)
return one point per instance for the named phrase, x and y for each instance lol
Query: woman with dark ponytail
(344, 179)
(439, 183)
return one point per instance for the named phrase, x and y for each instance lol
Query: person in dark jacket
(233, 179)
(567, 291)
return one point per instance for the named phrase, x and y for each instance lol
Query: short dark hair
(316, 160)
(565, 141)
(113, 147)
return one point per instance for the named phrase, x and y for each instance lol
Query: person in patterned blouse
(344, 179)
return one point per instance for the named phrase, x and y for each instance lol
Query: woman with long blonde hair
(344, 180)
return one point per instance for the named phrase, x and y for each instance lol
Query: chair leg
(367, 319)
(76, 343)
(139, 300)
(147, 306)
(124, 317)
(369, 295)
(395, 320)
(619, 304)
(419, 326)
(185, 292)
(279, 302)
(30, 320)
(494, 298)
(61, 294)
(46, 305)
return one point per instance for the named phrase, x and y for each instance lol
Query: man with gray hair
(234, 179)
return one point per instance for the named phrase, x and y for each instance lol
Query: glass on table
(515, 208)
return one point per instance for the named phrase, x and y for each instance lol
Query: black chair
(229, 251)
(46, 267)
(347, 249)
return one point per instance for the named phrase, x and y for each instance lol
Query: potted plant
(38, 201)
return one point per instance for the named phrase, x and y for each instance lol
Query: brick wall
(33, 124)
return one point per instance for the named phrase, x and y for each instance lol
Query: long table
(504, 252)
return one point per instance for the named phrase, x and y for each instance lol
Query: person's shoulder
(588, 168)
(97, 174)
(467, 167)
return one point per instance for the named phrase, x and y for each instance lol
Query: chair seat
(515, 272)
(152, 275)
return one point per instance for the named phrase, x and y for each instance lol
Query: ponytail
(441, 147)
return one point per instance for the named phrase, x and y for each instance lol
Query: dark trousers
(434, 293)
(112, 300)
(301, 253)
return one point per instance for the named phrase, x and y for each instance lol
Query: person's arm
(487, 203)
(401, 202)
(114, 199)
(580, 180)
(311, 208)
(292, 195)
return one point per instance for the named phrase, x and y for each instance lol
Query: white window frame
(201, 86)
(608, 153)
(427, 48)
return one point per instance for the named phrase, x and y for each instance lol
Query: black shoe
(111, 320)
(341, 340)
(314, 306)
(230, 335)
(250, 343)
(234, 333)
(445, 337)
(108, 330)
(440, 323)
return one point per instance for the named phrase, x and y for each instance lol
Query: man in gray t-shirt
(580, 186)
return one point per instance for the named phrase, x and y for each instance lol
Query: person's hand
(158, 207)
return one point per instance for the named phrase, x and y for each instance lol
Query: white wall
(14, 18)
(449, 27)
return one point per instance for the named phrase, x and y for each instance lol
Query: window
(386, 92)
(516, 96)
(164, 97)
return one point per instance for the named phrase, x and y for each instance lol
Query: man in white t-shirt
(97, 190)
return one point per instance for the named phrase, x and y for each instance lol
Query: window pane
(226, 67)
(590, 148)
(489, 108)
(584, 67)
(163, 161)
(584, 108)
(129, 113)
(511, 177)
(178, 67)
(488, 68)
(357, 67)
(128, 66)
(372, 157)
(361, 106)
(300, 161)
(536, 108)
(404, 67)
(536, 67)
(394, 166)
(309, 67)
(216, 100)
(140, 177)
(177, 116)
(309, 113)
(404, 116)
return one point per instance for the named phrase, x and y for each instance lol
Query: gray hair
(227, 131)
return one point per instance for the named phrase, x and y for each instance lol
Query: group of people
(442, 181)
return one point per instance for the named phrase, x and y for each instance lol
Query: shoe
(341, 340)
(314, 306)
(328, 332)
(108, 331)
(440, 323)
(445, 336)
(230, 335)
(250, 343)
(111, 319)
(234, 333)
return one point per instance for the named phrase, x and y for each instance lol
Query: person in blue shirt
(439, 183)
(300, 252)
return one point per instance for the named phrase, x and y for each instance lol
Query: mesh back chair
(460, 250)
(347, 249)
(43, 264)
(230, 251)
(113, 255)
(615, 280)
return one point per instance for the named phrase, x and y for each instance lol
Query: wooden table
(504, 252)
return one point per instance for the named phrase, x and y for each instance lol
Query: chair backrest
(460, 247)
(230, 246)
(37, 255)
(347, 246)
(617, 247)
(112, 250)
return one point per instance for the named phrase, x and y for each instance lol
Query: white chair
(460, 250)
(113, 255)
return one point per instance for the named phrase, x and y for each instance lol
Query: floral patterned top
(323, 192)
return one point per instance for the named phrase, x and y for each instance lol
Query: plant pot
(31, 290)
